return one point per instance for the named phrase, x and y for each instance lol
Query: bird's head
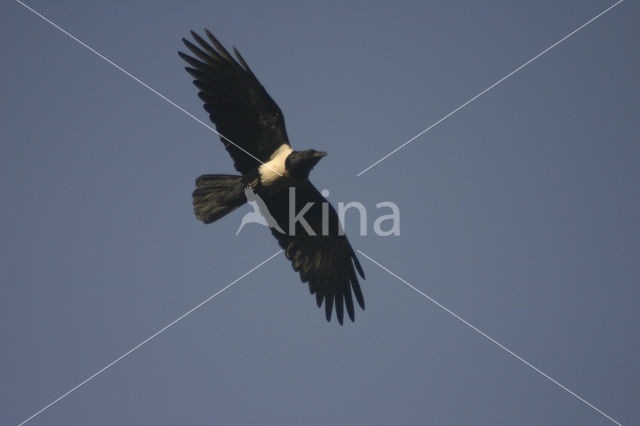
(299, 163)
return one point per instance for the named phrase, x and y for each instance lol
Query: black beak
(320, 154)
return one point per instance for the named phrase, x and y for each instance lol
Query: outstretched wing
(251, 123)
(325, 260)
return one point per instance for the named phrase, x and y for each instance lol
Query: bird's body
(252, 129)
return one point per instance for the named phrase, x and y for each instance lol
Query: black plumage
(237, 104)
(253, 131)
(326, 261)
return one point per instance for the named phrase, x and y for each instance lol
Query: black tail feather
(216, 196)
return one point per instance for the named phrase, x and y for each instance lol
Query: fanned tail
(216, 196)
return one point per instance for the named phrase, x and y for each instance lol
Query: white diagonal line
(491, 339)
(189, 312)
(128, 74)
(491, 87)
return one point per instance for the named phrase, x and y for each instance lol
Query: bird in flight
(251, 127)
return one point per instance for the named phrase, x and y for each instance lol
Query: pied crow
(251, 126)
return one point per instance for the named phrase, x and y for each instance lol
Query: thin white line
(492, 86)
(500, 345)
(149, 338)
(144, 84)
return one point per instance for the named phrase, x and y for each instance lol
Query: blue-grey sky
(520, 213)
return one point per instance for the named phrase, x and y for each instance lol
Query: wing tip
(356, 262)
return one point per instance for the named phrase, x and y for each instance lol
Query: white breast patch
(274, 169)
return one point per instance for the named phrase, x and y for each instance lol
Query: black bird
(252, 129)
